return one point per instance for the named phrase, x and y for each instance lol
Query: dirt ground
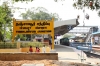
(46, 63)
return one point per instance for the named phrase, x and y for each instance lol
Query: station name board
(30, 27)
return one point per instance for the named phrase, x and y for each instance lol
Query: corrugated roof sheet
(64, 22)
(80, 29)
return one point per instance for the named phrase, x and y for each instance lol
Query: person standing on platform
(37, 49)
(30, 49)
(44, 49)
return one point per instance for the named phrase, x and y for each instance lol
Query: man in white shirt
(19, 39)
(44, 49)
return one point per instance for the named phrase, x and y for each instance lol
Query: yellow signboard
(33, 27)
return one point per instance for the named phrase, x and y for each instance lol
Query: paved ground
(61, 48)
(71, 54)
(67, 53)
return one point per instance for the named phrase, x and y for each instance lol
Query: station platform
(66, 53)
(70, 54)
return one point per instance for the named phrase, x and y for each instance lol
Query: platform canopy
(96, 33)
(61, 27)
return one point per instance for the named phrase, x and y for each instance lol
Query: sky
(64, 9)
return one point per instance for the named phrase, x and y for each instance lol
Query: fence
(82, 46)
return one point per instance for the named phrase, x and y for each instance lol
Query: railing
(82, 46)
(79, 44)
(88, 36)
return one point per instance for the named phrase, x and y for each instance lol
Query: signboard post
(33, 27)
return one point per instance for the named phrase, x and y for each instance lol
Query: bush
(33, 44)
(7, 45)
(11, 45)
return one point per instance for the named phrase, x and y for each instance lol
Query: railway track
(92, 55)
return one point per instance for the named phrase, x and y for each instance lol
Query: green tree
(5, 20)
(21, 0)
(40, 13)
(28, 0)
(90, 4)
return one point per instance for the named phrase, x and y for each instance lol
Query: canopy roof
(60, 27)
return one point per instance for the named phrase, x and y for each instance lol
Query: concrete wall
(28, 56)
(22, 50)
(10, 50)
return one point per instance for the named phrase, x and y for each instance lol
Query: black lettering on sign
(30, 24)
(20, 31)
(43, 23)
(48, 31)
(19, 24)
(44, 31)
(33, 31)
(25, 28)
(26, 31)
(24, 24)
(40, 27)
